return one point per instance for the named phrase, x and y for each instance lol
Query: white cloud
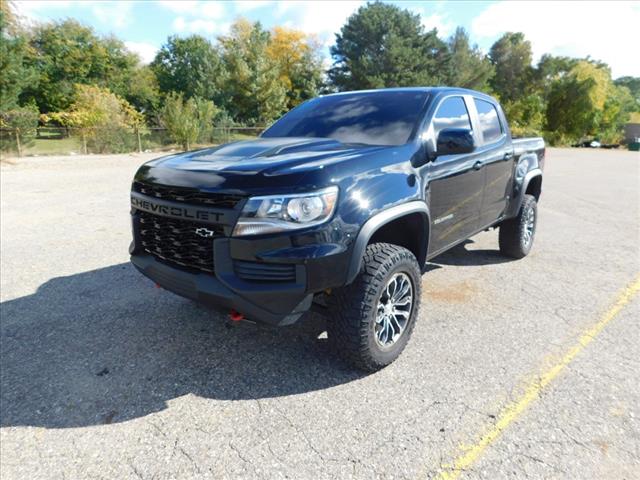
(31, 8)
(104, 12)
(30, 12)
(214, 10)
(282, 7)
(146, 51)
(182, 25)
(243, 6)
(198, 16)
(323, 18)
(440, 22)
(116, 16)
(602, 30)
(179, 24)
(176, 6)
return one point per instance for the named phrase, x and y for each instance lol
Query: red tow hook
(158, 285)
(235, 316)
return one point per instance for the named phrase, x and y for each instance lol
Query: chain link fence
(69, 141)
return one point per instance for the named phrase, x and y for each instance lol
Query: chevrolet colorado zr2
(339, 204)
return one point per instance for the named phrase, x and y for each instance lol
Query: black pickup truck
(338, 205)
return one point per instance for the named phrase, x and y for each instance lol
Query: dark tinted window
(373, 118)
(452, 113)
(489, 121)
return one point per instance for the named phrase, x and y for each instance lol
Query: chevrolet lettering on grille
(168, 209)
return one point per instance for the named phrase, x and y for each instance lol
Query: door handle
(507, 156)
(478, 165)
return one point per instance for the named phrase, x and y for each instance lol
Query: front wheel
(516, 235)
(372, 319)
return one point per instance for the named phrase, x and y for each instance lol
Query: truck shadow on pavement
(106, 346)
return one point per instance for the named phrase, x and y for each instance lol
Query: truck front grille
(188, 195)
(176, 241)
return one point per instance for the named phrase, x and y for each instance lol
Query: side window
(452, 113)
(489, 121)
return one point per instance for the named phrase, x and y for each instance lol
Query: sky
(606, 31)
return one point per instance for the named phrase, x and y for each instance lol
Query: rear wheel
(372, 319)
(516, 235)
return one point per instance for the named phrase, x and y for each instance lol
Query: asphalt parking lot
(516, 368)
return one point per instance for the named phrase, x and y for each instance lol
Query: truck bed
(528, 144)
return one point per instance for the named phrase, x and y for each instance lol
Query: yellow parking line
(513, 410)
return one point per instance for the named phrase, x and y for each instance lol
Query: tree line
(62, 73)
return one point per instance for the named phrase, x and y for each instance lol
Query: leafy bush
(188, 121)
(105, 122)
(18, 128)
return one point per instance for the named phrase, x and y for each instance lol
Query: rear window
(489, 121)
(371, 118)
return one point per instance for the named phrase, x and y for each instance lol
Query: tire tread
(511, 231)
(348, 334)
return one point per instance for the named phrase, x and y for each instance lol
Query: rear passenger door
(496, 153)
(456, 182)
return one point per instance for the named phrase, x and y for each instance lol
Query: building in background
(632, 136)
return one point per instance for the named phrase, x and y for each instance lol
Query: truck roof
(431, 90)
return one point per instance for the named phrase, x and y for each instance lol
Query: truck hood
(268, 165)
(265, 156)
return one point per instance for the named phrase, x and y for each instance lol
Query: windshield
(372, 118)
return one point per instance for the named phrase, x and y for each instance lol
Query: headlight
(278, 213)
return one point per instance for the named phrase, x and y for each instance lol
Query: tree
(299, 63)
(14, 74)
(469, 67)
(10, 24)
(143, 92)
(633, 84)
(254, 93)
(187, 120)
(382, 45)
(67, 53)
(526, 115)
(103, 120)
(189, 65)
(617, 111)
(511, 57)
(206, 111)
(551, 67)
(577, 101)
(117, 64)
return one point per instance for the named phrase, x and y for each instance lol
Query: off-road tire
(513, 232)
(353, 308)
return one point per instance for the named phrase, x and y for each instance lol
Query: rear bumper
(209, 290)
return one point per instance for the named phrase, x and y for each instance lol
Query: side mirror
(453, 141)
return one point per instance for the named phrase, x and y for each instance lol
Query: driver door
(456, 182)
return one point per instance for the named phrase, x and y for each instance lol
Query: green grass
(59, 146)
(241, 136)
(64, 146)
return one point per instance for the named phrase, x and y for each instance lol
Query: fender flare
(531, 174)
(519, 188)
(377, 221)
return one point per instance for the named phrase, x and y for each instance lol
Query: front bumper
(208, 290)
(268, 278)
(274, 303)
